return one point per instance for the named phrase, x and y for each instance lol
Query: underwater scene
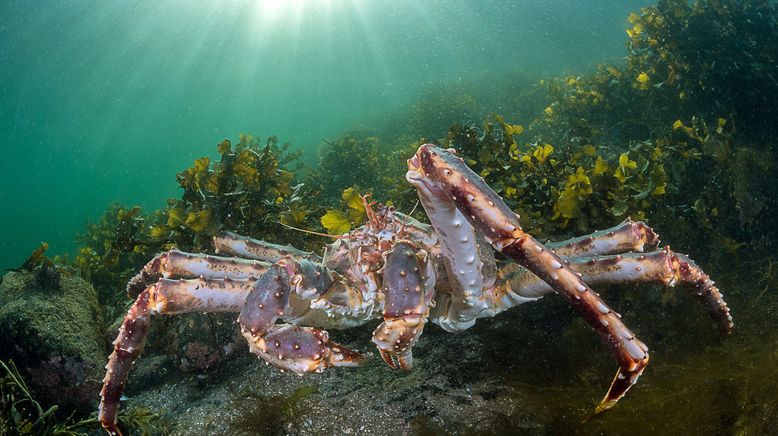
(443, 217)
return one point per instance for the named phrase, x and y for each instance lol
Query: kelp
(251, 190)
(709, 56)
(47, 273)
(37, 257)
(246, 191)
(338, 222)
(678, 133)
(552, 186)
(358, 161)
(110, 253)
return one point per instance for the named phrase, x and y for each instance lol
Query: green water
(106, 101)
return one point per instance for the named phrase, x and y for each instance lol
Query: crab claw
(300, 350)
(395, 338)
(408, 284)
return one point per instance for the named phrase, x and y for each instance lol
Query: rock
(195, 342)
(53, 334)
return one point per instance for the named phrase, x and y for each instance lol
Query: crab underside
(404, 272)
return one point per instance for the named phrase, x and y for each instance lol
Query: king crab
(406, 273)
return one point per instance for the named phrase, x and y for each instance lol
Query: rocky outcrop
(52, 331)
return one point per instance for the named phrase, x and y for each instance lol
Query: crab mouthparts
(414, 163)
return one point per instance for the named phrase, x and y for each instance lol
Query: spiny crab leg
(233, 244)
(289, 347)
(409, 283)
(127, 347)
(491, 217)
(662, 266)
(175, 263)
(629, 236)
(164, 297)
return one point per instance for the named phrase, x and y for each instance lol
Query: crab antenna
(314, 233)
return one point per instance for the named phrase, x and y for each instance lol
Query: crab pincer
(408, 292)
(500, 226)
(298, 349)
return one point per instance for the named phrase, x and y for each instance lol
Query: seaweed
(250, 190)
(258, 414)
(37, 257)
(22, 414)
(142, 421)
(246, 191)
(372, 167)
(552, 184)
(337, 222)
(47, 275)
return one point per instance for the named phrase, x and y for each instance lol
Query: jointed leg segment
(629, 236)
(177, 264)
(662, 267)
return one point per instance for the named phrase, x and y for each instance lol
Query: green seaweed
(259, 414)
(20, 413)
(145, 422)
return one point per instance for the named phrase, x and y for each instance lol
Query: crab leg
(174, 263)
(491, 217)
(242, 246)
(175, 296)
(295, 283)
(520, 286)
(164, 297)
(408, 286)
(126, 348)
(629, 236)
(661, 266)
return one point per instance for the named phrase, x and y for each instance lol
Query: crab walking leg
(519, 286)
(408, 287)
(629, 236)
(236, 245)
(126, 348)
(176, 296)
(168, 297)
(490, 216)
(663, 266)
(297, 349)
(175, 263)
